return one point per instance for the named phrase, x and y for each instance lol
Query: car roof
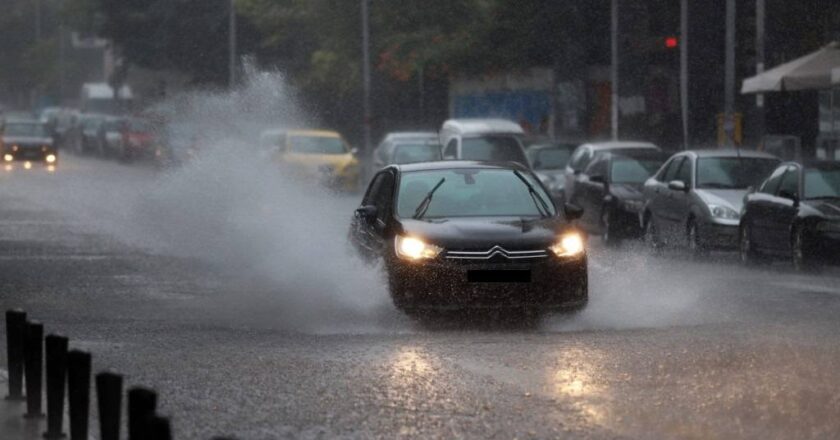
(731, 152)
(616, 145)
(479, 126)
(458, 164)
(402, 135)
(314, 133)
(552, 145)
(821, 164)
(637, 154)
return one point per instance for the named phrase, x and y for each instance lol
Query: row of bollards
(70, 370)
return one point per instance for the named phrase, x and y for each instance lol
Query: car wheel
(799, 252)
(607, 235)
(746, 250)
(651, 236)
(693, 240)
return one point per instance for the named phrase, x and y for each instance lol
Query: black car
(463, 234)
(549, 160)
(795, 215)
(611, 192)
(27, 140)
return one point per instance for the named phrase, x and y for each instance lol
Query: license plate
(499, 276)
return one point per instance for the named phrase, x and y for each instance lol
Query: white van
(495, 140)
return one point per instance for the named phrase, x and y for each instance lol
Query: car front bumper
(552, 283)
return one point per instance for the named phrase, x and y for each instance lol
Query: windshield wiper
(424, 204)
(542, 207)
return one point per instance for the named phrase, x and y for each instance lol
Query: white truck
(100, 98)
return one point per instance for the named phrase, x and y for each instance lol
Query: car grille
(496, 251)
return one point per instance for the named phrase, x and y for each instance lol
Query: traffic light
(672, 42)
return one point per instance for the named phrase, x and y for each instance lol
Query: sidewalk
(12, 424)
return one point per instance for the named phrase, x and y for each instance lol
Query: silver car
(695, 199)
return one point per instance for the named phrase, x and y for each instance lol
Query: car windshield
(25, 130)
(822, 183)
(316, 145)
(411, 153)
(549, 158)
(470, 193)
(493, 148)
(732, 172)
(627, 170)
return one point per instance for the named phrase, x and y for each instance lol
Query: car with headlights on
(465, 234)
(794, 215)
(316, 154)
(611, 192)
(27, 140)
(548, 160)
(695, 199)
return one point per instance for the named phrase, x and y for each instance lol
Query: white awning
(811, 72)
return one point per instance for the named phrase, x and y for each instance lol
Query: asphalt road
(231, 292)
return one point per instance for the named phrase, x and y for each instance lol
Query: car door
(669, 212)
(758, 208)
(655, 187)
(782, 211)
(580, 159)
(590, 194)
(680, 201)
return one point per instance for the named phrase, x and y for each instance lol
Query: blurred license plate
(499, 276)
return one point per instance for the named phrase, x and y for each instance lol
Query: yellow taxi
(320, 154)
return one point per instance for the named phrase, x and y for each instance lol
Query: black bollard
(78, 392)
(159, 428)
(33, 360)
(141, 405)
(109, 397)
(15, 337)
(56, 347)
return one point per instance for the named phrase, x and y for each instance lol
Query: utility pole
(61, 62)
(366, 82)
(232, 44)
(37, 20)
(614, 77)
(759, 63)
(729, 76)
(684, 71)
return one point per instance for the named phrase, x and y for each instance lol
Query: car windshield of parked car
(627, 170)
(416, 152)
(24, 130)
(470, 192)
(549, 158)
(493, 148)
(316, 145)
(822, 183)
(732, 172)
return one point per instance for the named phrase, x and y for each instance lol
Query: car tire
(802, 262)
(747, 252)
(692, 237)
(651, 236)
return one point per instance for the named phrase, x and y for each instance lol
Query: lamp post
(232, 44)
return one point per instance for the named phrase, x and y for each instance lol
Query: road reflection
(578, 378)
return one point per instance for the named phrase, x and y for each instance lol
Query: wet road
(246, 331)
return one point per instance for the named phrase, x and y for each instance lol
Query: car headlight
(8, 157)
(415, 249)
(724, 212)
(828, 227)
(569, 245)
(50, 158)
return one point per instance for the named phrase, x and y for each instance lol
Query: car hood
(627, 191)
(732, 198)
(27, 140)
(829, 208)
(482, 233)
(315, 162)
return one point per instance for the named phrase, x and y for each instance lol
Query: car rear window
(316, 145)
(416, 152)
(493, 148)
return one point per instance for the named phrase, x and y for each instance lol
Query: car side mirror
(366, 213)
(677, 185)
(573, 212)
(785, 194)
(598, 179)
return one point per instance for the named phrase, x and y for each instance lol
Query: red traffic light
(671, 42)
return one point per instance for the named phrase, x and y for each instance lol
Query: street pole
(366, 82)
(759, 63)
(614, 78)
(729, 78)
(37, 20)
(61, 63)
(232, 45)
(684, 71)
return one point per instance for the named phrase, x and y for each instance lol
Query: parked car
(319, 154)
(794, 215)
(26, 140)
(548, 160)
(496, 140)
(404, 150)
(463, 234)
(611, 192)
(695, 199)
(585, 153)
(92, 138)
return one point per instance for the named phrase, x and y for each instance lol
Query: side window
(790, 182)
(451, 151)
(373, 190)
(771, 185)
(384, 196)
(576, 162)
(597, 167)
(684, 173)
(671, 172)
(663, 171)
